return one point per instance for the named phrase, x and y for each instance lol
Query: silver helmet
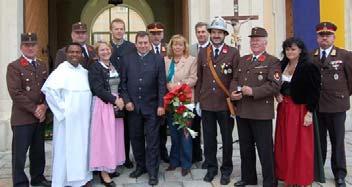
(218, 23)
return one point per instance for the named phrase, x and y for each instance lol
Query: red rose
(182, 97)
(181, 109)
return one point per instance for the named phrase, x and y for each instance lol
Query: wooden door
(289, 19)
(36, 20)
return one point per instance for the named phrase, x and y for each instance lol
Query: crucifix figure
(236, 23)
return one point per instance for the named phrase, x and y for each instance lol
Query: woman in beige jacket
(181, 68)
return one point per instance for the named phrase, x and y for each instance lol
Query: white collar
(220, 48)
(28, 59)
(204, 45)
(159, 47)
(328, 50)
(257, 56)
(102, 63)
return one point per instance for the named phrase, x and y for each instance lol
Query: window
(133, 22)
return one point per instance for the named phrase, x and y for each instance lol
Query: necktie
(255, 59)
(323, 57)
(157, 50)
(216, 53)
(34, 64)
(85, 54)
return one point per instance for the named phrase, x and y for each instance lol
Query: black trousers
(28, 137)
(145, 140)
(196, 147)
(126, 138)
(226, 123)
(334, 123)
(163, 136)
(258, 133)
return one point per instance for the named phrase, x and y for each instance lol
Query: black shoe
(170, 168)
(225, 179)
(244, 183)
(115, 174)
(44, 183)
(209, 176)
(204, 165)
(340, 182)
(185, 172)
(153, 180)
(107, 184)
(128, 164)
(138, 172)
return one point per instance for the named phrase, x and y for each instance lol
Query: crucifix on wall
(236, 22)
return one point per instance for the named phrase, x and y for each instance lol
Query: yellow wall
(333, 11)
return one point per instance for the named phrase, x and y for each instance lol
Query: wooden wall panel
(185, 10)
(36, 20)
(289, 19)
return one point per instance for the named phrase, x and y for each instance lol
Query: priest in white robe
(69, 98)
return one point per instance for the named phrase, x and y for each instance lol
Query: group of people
(108, 97)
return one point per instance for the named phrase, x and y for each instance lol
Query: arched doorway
(133, 22)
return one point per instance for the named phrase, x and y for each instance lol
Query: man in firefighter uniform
(255, 82)
(25, 77)
(156, 31)
(79, 35)
(336, 87)
(217, 59)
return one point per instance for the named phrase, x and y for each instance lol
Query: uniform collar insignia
(333, 52)
(316, 52)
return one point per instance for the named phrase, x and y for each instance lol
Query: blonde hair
(99, 43)
(177, 39)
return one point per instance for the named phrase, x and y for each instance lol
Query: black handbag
(119, 113)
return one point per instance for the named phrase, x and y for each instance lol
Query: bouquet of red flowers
(178, 102)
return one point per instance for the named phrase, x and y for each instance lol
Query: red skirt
(294, 144)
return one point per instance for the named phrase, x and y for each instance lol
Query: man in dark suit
(336, 75)
(202, 35)
(212, 99)
(25, 77)
(121, 48)
(256, 80)
(156, 31)
(79, 35)
(143, 88)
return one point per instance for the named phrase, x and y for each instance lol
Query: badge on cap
(336, 76)
(28, 88)
(260, 77)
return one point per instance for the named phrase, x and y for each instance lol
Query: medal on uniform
(28, 88)
(229, 71)
(336, 76)
(27, 80)
(225, 71)
(260, 77)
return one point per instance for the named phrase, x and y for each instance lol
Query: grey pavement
(174, 178)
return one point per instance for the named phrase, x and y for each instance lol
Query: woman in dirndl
(107, 148)
(297, 156)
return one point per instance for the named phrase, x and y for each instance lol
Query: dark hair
(141, 34)
(303, 57)
(71, 44)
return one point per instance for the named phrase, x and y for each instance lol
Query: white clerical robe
(69, 97)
